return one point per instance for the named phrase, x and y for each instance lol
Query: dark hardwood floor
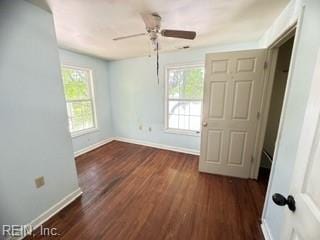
(137, 192)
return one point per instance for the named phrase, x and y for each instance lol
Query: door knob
(204, 124)
(280, 200)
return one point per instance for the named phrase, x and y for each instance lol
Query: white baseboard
(265, 230)
(55, 208)
(37, 222)
(92, 147)
(139, 142)
(157, 145)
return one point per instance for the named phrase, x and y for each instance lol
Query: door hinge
(265, 66)
(252, 159)
(258, 115)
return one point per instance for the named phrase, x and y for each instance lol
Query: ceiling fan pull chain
(158, 62)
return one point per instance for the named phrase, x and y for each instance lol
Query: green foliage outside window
(186, 83)
(76, 84)
(185, 93)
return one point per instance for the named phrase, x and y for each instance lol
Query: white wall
(137, 99)
(307, 46)
(34, 134)
(287, 18)
(102, 97)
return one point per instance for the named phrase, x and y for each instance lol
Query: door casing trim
(272, 55)
(295, 30)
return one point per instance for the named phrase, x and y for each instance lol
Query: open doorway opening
(275, 108)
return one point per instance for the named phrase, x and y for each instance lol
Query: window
(78, 91)
(184, 92)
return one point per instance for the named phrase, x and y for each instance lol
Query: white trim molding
(159, 146)
(92, 99)
(167, 68)
(83, 132)
(92, 147)
(265, 230)
(139, 142)
(45, 216)
(56, 208)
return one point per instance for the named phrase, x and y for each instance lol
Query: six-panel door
(232, 96)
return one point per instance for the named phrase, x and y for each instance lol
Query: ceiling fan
(153, 25)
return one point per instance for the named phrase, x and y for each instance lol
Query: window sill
(83, 132)
(183, 132)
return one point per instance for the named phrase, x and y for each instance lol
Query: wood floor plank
(137, 192)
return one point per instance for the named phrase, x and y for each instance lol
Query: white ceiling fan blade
(129, 36)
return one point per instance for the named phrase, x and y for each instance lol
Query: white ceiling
(88, 26)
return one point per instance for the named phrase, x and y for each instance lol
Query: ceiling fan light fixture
(152, 22)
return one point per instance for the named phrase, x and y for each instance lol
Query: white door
(232, 96)
(304, 222)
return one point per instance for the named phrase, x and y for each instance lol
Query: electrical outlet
(39, 182)
(150, 129)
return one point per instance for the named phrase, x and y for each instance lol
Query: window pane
(173, 121)
(81, 115)
(174, 82)
(186, 83)
(195, 123)
(77, 124)
(87, 115)
(173, 107)
(76, 83)
(192, 87)
(179, 107)
(195, 108)
(76, 109)
(183, 122)
(77, 91)
(184, 108)
(185, 93)
(86, 108)
(87, 122)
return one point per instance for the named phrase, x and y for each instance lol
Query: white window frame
(166, 100)
(93, 101)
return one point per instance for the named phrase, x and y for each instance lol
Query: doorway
(279, 85)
